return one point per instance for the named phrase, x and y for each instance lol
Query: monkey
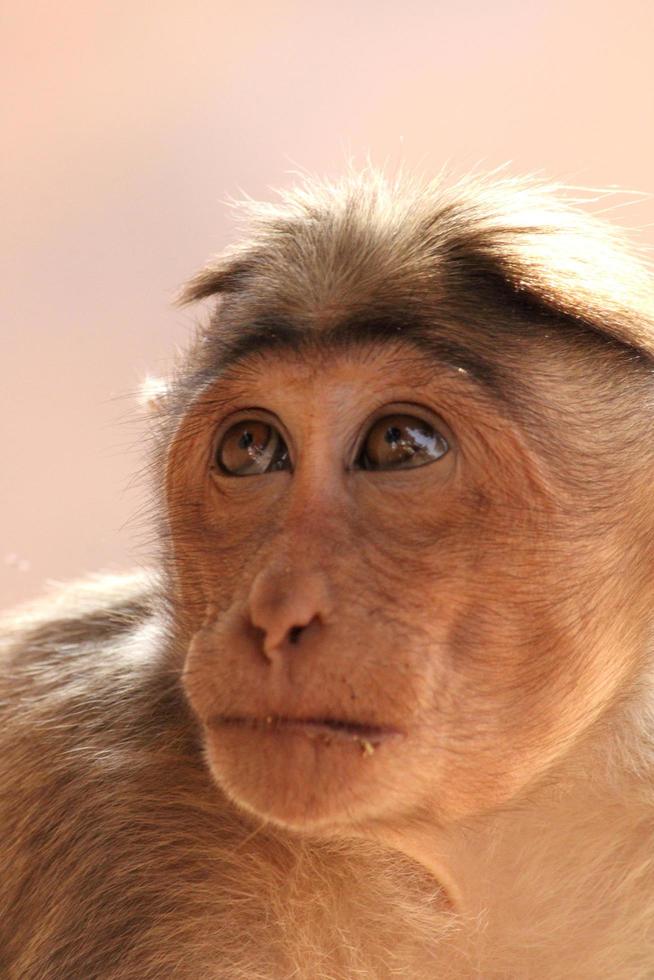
(383, 704)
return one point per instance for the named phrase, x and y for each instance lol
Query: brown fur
(489, 612)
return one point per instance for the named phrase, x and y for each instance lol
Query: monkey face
(384, 582)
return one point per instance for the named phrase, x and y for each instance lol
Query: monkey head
(406, 496)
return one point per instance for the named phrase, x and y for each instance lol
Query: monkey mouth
(324, 729)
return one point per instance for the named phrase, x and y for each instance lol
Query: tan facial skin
(375, 647)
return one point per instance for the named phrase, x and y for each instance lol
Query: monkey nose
(287, 607)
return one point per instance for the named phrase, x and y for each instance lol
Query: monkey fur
(384, 705)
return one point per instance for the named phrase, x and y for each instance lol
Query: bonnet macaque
(384, 706)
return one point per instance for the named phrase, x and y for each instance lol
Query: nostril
(294, 634)
(273, 643)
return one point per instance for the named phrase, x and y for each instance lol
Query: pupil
(393, 434)
(245, 440)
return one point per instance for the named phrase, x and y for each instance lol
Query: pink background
(127, 124)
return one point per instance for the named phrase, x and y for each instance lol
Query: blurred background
(126, 126)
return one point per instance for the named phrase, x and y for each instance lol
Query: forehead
(346, 367)
(366, 365)
(397, 338)
(505, 350)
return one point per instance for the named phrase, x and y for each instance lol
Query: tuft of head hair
(366, 232)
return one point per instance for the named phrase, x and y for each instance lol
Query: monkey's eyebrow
(277, 334)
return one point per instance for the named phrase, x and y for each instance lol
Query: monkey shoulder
(90, 609)
(102, 784)
(90, 666)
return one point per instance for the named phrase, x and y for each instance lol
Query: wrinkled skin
(424, 604)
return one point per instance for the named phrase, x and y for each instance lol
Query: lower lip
(327, 732)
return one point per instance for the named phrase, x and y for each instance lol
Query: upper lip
(334, 729)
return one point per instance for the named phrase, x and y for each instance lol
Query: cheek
(217, 548)
(524, 680)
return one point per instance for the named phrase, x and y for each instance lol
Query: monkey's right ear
(225, 274)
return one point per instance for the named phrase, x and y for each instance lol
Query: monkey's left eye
(251, 447)
(401, 442)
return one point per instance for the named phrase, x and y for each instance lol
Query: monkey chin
(304, 776)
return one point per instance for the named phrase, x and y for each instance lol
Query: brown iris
(251, 447)
(401, 442)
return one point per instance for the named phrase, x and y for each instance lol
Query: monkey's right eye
(251, 447)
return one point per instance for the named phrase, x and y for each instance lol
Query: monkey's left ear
(227, 273)
(153, 394)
